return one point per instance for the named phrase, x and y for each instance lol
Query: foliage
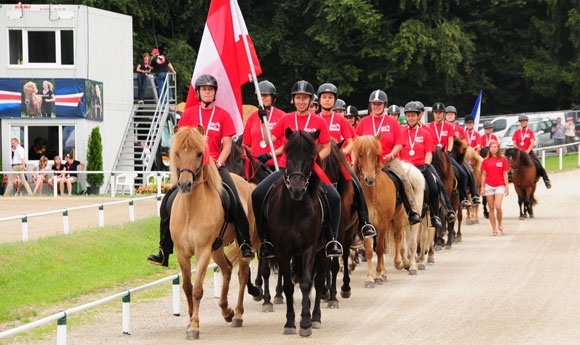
(95, 158)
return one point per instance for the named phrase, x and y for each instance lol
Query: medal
(439, 145)
(522, 143)
(411, 152)
(263, 144)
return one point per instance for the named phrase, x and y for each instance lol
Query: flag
(476, 112)
(222, 54)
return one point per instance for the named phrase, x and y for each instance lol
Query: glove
(262, 114)
(264, 157)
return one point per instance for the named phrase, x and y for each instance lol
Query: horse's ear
(288, 133)
(316, 134)
(200, 129)
(175, 129)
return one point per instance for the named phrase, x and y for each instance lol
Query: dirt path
(521, 288)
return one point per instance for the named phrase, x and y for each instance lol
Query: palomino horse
(524, 178)
(337, 168)
(294, 218)
(198, 219)
(474, 160)
(32, 100)
(386, 213)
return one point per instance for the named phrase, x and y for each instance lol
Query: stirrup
(266, 250)
(368, 230)
(465, 203)
(247, 252)
(333, 255)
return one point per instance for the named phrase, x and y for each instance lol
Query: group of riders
(413, 142)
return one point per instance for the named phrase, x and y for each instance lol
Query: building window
(41, 46)
(46, 141)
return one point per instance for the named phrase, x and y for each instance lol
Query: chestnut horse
(524, 178)
(32, 100)
(198, 219)
(386, 213)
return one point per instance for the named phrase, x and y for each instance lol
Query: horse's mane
(517, 154)
(473, 157)
(459, 150)
(369, 144)
(335, 162)
(302, 146)
(236, 161)
(189, 140)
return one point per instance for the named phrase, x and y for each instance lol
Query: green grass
(45, 276)
(568, 162)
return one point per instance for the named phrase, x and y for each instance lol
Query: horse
(32, 100)
(458, 153)
(198, 221)
(524, 178)
(474, 160)
(337, 168)
(386, 213)
(483, 153)
(294, 217)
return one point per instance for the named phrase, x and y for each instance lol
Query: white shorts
(489, 190)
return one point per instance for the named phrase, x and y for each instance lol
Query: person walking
(18, 162)
(494, 185)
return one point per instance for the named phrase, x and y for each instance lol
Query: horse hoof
(345, 294)
(531, 216)
(369, 285)
(332, 305)
(431, 260)
(192, 334)
(278, 300)
(229, 317)
(305, 332)
(522, 218)
(289, 330)
(458, 239)
(476, 221)
(379, 281)
(448, 246)
(267, 308)
(421, 267)
(412, 272)
(258, 298)
(316, 324)
(237, 323)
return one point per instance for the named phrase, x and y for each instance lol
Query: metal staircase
(144, 129)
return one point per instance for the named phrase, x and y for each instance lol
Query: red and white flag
(222, 54)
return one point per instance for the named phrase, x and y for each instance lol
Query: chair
(152, 178)
(125, 180)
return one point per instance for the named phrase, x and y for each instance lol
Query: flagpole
(254, 78)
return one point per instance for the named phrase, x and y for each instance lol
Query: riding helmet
(267, 88)
(438, 107)
(523, 117)
(339, 105)
(378, 96)
(328, 87)
(450, 109)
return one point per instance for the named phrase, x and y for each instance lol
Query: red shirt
(473, 137)
(486, 139)
(523, 137)
(419, 140)
(309, 123)
(216, 122)
(253, 136)
(338, 127)
(388, 127)
(440, 132)
(457, 131)
(494, 168)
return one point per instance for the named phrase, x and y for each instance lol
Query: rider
(471, 135)
(352, 115)
(339, 107)
(395, 112)
(458, 132)
(392, 142)
(442, 133)
(254, 136)
(524, 139)
(488, 137)
(314, 107)
(301, 119)
(219, 129)
(419, 152)
(340, 130)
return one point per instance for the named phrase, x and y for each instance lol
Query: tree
(95, 158)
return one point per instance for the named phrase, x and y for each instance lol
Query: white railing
(559, 149)
(125, 296)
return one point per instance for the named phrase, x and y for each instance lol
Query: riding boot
(333, 247)
(462, 184)
(165, 241)
(433, 195)
(266, 249)
(367, 230)
(443, 194)
(239, 216)
(540, 170)
(475, 199)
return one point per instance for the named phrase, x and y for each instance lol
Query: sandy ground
(521, 288)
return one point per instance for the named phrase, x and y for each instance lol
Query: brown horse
(32, 99)
(524, 178)
(474, 160)
(198, 219)
(385, 212)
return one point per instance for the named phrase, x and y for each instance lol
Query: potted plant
(2, 187)
(95, 161)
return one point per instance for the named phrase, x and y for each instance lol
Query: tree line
(525, 55)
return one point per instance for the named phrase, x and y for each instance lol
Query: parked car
(501, 124)
(542, 129)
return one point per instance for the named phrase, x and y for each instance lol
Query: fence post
(127, 314)
(55, 185)
(159, 180)
(176, 304)
(112, 185)
(101, 216)
(61, 331)
(24, 228)
(159, 197)
(131, 211)
(544, 158)
(65, 224)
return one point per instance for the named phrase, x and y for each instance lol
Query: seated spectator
(70, 177)
(17, 186)
(57, 169)
(40, 174)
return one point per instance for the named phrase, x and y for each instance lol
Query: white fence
(559, 149)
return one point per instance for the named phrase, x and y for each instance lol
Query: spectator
(570, 131)
(161, 66)
(143, 69)
(558, 132)
(70, 178)
(57, 167)
(18, 164)
(40, 174)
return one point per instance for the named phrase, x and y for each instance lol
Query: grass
(41, 277)
(568, 162)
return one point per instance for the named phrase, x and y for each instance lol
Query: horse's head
(300, 155)
(332, 165)
(189, 155)
(29, 89)
(517, 158)
(368, 153)
(459, 149)
(236, 161)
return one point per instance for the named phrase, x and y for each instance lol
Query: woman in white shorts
(494, 184)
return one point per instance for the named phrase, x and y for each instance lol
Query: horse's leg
(412, 242)
(368, 245)
(284, 270)
(381, 272)
(197, 293)
(319, 266)
(278, 298)
(185, 266)
(226, 270)
(259, 282)
(485, 211)
(398, 228)
(243, 276)
(264, 266)
(308, 258)
(345, 288)
(521, 206)
(458, 220)
(333, 273)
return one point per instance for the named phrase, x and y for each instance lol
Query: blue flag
(476, 112)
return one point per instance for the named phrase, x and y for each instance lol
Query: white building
(87, 55)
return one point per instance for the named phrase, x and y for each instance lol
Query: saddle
(398, 184)
(230, 206)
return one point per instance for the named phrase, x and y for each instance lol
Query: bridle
(287, 177)
(195, 174)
